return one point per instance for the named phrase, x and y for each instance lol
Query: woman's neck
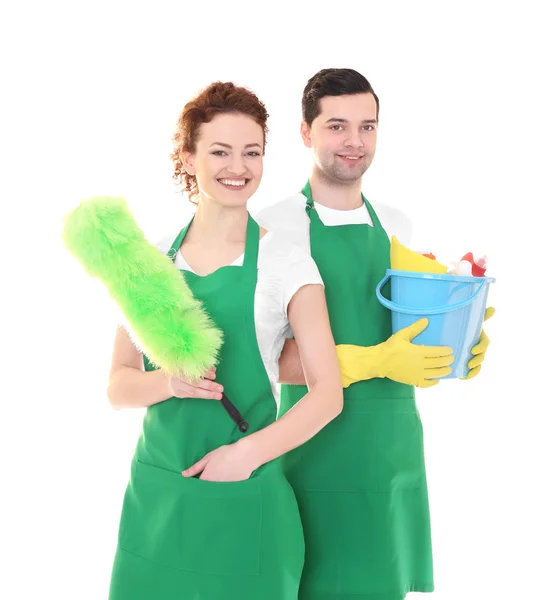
(214, 223)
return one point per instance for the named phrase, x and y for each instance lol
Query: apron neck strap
(371, 211)
(306, 191)
(175, 247)
(252, 244)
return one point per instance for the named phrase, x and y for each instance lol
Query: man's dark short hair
(332, 82)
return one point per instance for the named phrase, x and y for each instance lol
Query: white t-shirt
(283, 268)
(289, 219)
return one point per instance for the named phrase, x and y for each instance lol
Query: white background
(91, 92)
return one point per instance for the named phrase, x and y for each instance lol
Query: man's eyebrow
(338, 120)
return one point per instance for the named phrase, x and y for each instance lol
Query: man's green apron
(360, 483)
(190, 539)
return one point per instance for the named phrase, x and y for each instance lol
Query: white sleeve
(395, 222)
(165, 243)
(403, 229)
(264, 218)
(301, 270)
(273, 217)
(287, 219)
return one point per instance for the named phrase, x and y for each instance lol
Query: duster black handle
(234, 414)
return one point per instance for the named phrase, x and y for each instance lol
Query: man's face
(343, 136)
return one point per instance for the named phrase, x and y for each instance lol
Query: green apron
(360, 483)
(190, 539)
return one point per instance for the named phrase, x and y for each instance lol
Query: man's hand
(397, 358)
(479, 350)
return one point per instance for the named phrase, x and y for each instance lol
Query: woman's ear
(188, 162)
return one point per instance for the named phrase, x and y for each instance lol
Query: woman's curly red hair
(216, 99)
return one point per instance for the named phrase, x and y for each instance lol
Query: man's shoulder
(395, 222)
(278, 247)
(283, 207)
(287, 218)
(391, 213)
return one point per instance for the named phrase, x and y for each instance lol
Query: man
(360, 483)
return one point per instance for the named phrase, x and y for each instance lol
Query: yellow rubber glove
(479, 350)
(396, 358)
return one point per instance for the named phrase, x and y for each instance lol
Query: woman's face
(228, 159)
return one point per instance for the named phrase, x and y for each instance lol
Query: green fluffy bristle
(170, 324)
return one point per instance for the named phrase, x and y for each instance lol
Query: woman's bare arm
(308, 317)
(130, 386)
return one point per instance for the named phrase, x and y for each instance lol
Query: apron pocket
(222, 527)
(192, 524)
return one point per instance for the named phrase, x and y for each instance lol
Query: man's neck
(324, 191)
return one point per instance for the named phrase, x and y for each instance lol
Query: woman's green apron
(190, 539)
(360, 483)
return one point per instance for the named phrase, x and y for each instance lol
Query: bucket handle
(436, 310)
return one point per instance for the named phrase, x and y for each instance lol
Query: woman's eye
(254, 153)
(219, 153)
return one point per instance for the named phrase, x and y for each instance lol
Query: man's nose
(353, 139)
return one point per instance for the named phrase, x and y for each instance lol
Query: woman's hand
(202, 388)
(234, 462)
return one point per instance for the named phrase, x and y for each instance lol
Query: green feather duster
(170, 324)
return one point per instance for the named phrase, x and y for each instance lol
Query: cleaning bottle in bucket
(453, 304)
(469, 266)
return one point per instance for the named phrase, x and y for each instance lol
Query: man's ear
(188, 162)
(306, 134)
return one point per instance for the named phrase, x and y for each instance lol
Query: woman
(208, 513)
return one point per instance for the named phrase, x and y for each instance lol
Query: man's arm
(396, 358)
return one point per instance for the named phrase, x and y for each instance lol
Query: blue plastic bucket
(454, 305)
